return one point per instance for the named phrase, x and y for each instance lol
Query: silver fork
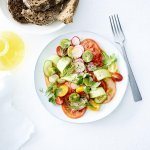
(119, 38)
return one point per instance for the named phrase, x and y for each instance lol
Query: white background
(128, 127)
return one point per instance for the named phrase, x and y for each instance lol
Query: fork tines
(116, 26)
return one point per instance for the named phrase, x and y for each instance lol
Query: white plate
(28, 28)
(89, 116)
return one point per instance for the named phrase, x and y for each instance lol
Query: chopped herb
(41, 90)
(96, 84)
(56, 91)
(108, 60)
(52, 99)
(87, 89)
(79, 80)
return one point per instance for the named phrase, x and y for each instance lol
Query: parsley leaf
(52, 99)
(108, 60)
(87, 89)
(56, 91)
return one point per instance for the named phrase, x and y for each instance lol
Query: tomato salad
(80, 76)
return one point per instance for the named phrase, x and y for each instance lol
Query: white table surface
(128, 127)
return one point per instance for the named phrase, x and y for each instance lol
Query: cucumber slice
(97, 92)
(68, 70)
(54, 59)
(101, 74)
(100, 99)
(63, 63)
(95, 84)
(74, 97)
(47, 67)
(69, 51)
(87, 56)
(70, 77)
(65, 43)
(88, 81)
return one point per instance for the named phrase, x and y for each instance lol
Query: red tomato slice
(91, 45)
(104, 85)
(59, 51)
(73, 114)
(117, 77)
(59, 100)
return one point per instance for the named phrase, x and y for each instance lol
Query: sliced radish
(77, 51)
(79, 67)
(73, 86)
(91, 66)
(79, 60)
(75, 41)
(53, 78)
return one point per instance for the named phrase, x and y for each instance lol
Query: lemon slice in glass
(11, 50)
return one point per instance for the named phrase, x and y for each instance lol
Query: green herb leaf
(51, 89)
(88, 81)
(79, 80)
(41, 90)
(52, 99)
(95, 84)
(108, 60)
(87, 89)
(56, 91)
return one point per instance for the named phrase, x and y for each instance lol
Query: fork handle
(134, 87)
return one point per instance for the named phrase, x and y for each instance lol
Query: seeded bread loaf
(42, 18)
(63, 11)
(15, 7)
(41, 5)
(68, 11)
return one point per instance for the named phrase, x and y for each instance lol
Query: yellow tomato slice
(63, 91)
(94, 106)
(79, 89)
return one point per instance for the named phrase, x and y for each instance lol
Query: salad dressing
(11, 50)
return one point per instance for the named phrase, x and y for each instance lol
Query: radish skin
(75, 41)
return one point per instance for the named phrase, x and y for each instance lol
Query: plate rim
(75, 32)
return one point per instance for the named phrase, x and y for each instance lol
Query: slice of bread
(41, 5)
(42, 18)
(68, 11)
(15, 7)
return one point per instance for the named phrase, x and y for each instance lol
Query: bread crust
(15, 8)
(42, 18)
(68, 12)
